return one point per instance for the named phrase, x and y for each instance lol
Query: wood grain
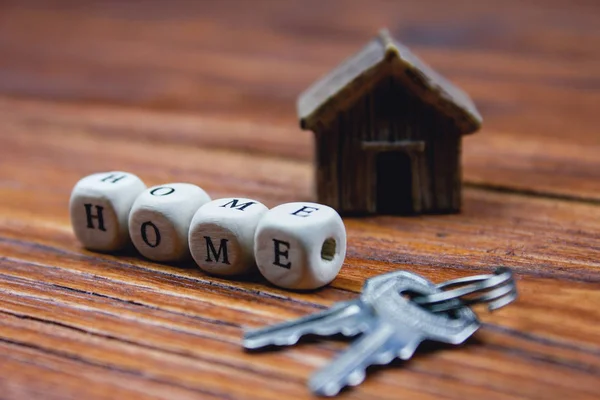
(204, 92)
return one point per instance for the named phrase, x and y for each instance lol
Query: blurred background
(531, 66)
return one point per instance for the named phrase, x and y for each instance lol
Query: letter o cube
(300, 245)
(160, 220)
(221, 235)
(99, 208)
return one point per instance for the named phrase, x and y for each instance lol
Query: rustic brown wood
(204, 92)
(398, 125)
(407, 146)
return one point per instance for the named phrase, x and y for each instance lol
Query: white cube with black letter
(221, 235)
(160, 220)
(300, 245)
(99, 209)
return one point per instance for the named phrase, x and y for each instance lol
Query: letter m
(210, 249)
(234, 204)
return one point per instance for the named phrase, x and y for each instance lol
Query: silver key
(348, 318)
(396, 331)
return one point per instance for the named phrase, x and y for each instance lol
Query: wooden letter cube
(222, 235)
(99, 208)
(300, 245)
(160, 220)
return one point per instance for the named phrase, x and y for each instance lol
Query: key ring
(497, 290)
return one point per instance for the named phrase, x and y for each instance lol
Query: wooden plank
(552, 244)
(171, 92)
(106, 318)
(326, 180)
(52, 376)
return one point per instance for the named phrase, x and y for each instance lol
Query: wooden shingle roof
(382, 57)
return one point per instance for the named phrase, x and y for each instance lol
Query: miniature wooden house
(388, 133)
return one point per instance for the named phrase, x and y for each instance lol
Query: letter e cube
(300, 245)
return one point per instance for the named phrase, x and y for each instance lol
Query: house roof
(378, 59)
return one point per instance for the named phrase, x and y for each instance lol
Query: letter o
(167, 191)
(144, 227)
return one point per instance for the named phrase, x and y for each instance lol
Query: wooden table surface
(204, 92)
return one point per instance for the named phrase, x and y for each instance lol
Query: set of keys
(393, 315)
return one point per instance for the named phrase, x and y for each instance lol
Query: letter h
(90, 217)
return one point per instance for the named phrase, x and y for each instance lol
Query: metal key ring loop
(496, 289)
(476, 278)
(496, 298)
(476, 284)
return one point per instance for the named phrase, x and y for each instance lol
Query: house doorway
(394, 183)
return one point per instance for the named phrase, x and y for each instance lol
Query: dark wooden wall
(347, 176)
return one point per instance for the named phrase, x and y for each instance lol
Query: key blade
(376, 347)
(348, 318)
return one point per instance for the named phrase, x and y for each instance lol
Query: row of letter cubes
(294, 245)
